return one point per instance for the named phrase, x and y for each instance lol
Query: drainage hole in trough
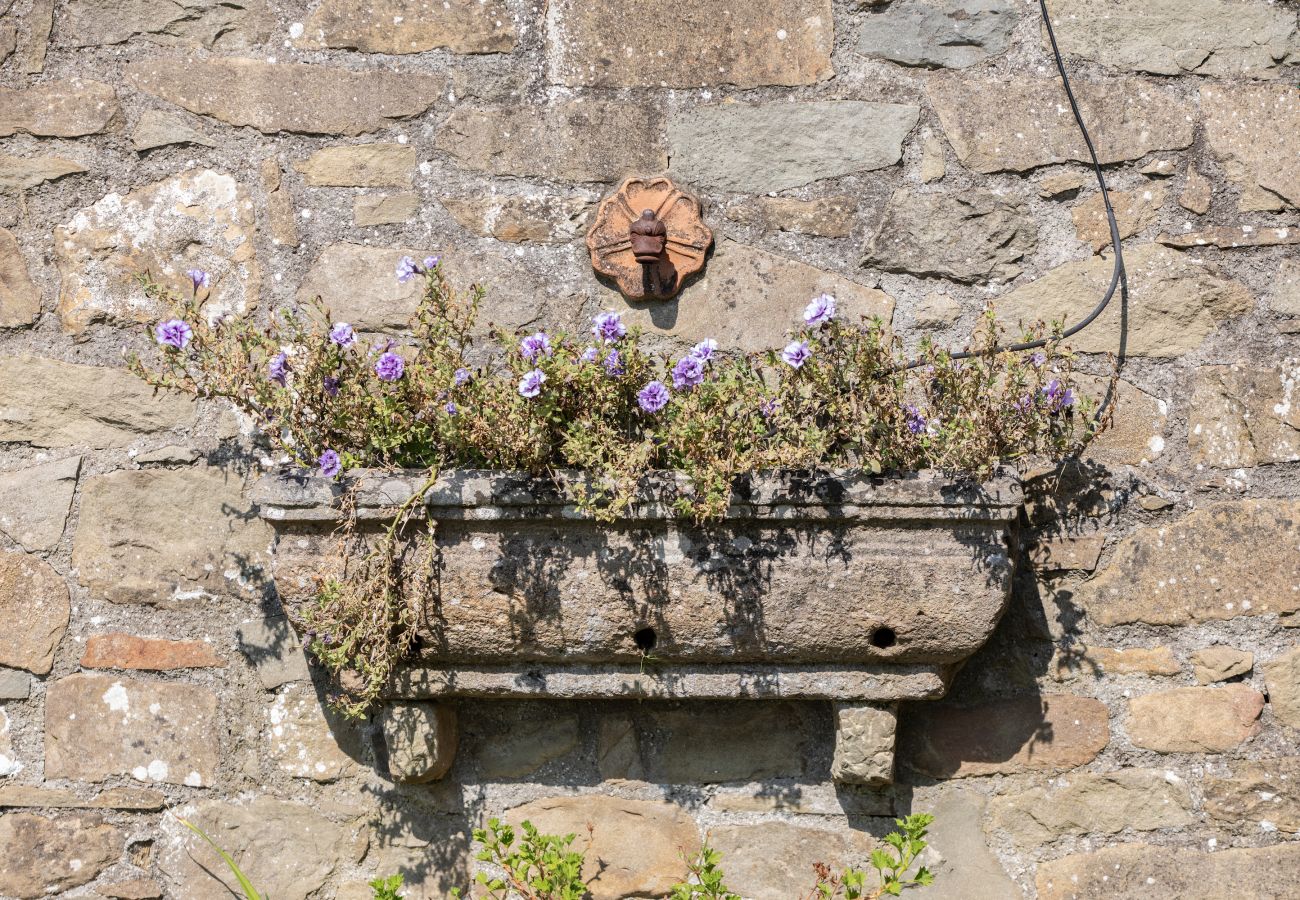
(883, 637)
(645, 639)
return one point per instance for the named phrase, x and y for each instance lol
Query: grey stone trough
(843, 587)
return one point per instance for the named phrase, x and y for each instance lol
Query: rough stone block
(58, 108)
(19, 173)
(1282, 676)
(384, 209)
(774, 860)
(273, 650)
(128, 651)
(1249, 127)
(951, 34)
(9, 762)
(304, 741)
(421, 739)
(210, 24)
(54, 854)
(1220, 663)
(1135, 211)
(1254, 795)
(1099, 662)
(159, 129)
(864, 743)
(523, 738)
(34, 502)
(529, 219)
(34, 601)
(1144, 871)
(1195, 719)
(822, 217)
(1242, 416)
(20, 299)
(410, 26)
(360, 165)
(14, 684)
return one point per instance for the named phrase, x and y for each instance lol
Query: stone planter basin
(843, 587)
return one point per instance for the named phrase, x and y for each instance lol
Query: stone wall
(1129, 732)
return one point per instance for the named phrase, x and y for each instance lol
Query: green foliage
(541, 867)
(245, 885)
(704, 878)
(891, 864)
(387, 888)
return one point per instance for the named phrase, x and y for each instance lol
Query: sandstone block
(421, 739)
(1220, 663)
(966, 864)
(159, 129)
(773, 860)
(1142, 871)
(20, 299)
(274, 97)
(1061, 185)
(1067, 553)
(273, 650)
(934, 165)
(523, 740)
(1134, 212)
(1284, 299)
(1242, 416)
(784, 42)
(58, 108)
(19, 173)
(15, 684)
(1136, 433)
(9, 762)
(1175, 574)
(757, 148)
(279, 204)
(98, 727)
(637, 844)
(34, 601)
(709, 744)
(937, 310)
(1282, 675)
(823, 217)
(1195, 719)
(410, 26)
(1196, 194)
(864, 743)
(132, 889)
(34, 502)
(303, 741)
(212, 24)
(1099, 662)
(127, 651)
(128, 798)
(384, 209)
(1254, 793)
(951, 34)
(54, 854)
(360, 165)
(1094, 803)
(528, 219)
(1247, 126)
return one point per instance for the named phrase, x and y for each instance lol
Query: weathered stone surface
(1170, 37)
(864, 743)
(98, 727)
(1142, 871)
(1282, 675)
(1061, 185)
(973, 236)
(20, 299)
(527, 219)
(303, 742)
(159, 129)
(293, 97)
(127, 651)
(636, 845)
(18, 173)
(1213, 664)
(54, 854)
(292, 849)
(279, 204)
(213, 24)
(357, 284)
(1098, 662)
(1195, 719)
(57, 109)
(783, 42)
(15, 684)
(823, 217)
(822, 798)
(133, 889)
(773, 860)
(933, 164)
(410, 26)
(1231, 237)
(273, 650)
(580, 140)
(1183, 302)
(973, 110)
(384, 209)
(756, 148)
(40, 22)
(167, 536)
(34, 600)
(1134, 212)
(732, 742)
(34, 502)
(525, 742)
(748, 299)
(1185, 572)
(56, 404)
(1050, 733)
(9, 763)
(966, 869)
(360, 165)
(1248, 127)
(1256, 792)
(200, 219)
(1284, 299)
(1242, 417)
(171, 455)
(421, 739)
(953, 34)
(1067, 553)
(8, 39)
(937, 310)
(128, 798)
(1092, 803)
(1197, 193)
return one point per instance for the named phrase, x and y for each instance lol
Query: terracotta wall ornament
(649, 237)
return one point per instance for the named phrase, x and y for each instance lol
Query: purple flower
(704, 350)
(535, 346)
(431, 262)
(531, 384)
(174, 333)
(406, 269)
(769, 407)
(589, 355)
(688, 372)
(390, 366)
(331, 385)
(199, 278)
(820, 311)
(1023, 404)
(915, 421)
(460, 377)
(1038, 359)
(796, 353)
(1057, 396)
(343, 335)
(609, 327)
(451, 409)
(653, 397)
(614, 363)
(330, 464)
(278, 369)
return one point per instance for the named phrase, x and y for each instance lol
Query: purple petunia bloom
(451, 409)
(343, 335)
(331, 385)
(460, 377)
(614, 363)
(915, 421)
(406, 269)
(431, 263)
(609, 327)
(820, 311)
(796, 353)
(1023, 404)
(174, 333)
(390, 366)
(704, 350)
(198, 278)
(688, 372)
(278, 369)
(769, 407)
(330, 464)
(589, 355)
(1057, 396)
(535, 346)
(653, 397)
(1038, 359)
(531, 384)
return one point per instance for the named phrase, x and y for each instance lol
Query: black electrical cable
(1119, 276)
